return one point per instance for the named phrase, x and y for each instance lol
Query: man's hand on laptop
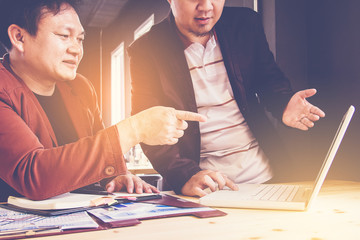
(206, 179)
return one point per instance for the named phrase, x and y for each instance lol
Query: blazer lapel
(180, 89)
(232, 51)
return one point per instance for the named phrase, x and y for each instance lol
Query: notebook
(279, 196)
(73, 202)
(63, 201)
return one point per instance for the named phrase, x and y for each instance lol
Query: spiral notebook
(280, 196)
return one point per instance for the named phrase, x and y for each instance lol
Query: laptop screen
(331, 153)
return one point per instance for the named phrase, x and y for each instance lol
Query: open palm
(301, 114)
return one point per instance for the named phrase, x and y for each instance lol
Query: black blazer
(160, 76)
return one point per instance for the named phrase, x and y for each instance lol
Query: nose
(205, 5)
(75, 47)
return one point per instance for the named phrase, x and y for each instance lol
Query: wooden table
(334, 215)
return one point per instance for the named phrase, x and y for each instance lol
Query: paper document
(12, 220)
(138, 210)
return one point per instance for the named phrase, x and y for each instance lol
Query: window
(117, 84)
(135, 157)
(256, 5)
(253, 4)
(144, 27)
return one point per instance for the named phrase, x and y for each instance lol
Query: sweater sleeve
(37, 171)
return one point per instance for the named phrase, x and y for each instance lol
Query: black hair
(26, 14)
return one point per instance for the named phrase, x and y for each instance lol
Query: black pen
(149, 197)
(139, 198)
(94, 192)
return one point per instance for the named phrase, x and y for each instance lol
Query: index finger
(219, 179)
(189, 116)
(129, 184)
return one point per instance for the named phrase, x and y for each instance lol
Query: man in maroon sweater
(52, 138)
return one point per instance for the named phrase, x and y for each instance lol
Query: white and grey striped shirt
(227, 144)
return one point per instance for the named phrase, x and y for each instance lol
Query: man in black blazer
(161, 76)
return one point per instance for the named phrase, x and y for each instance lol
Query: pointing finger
(189, 116)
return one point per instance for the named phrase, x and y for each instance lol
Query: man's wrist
(135, 128)
(127, 134)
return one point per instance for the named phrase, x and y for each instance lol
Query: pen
(140, 198)
(149, 197)
(94, 192)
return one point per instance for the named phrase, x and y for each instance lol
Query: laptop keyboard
(276, 192)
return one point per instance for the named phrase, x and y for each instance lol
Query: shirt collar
(186, 42)
(6, 62)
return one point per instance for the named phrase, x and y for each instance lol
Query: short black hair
(26, 14)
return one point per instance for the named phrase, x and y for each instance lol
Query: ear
(16, 35)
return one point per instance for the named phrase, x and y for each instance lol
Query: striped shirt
(227, 144)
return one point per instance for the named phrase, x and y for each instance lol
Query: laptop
(279, 196)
